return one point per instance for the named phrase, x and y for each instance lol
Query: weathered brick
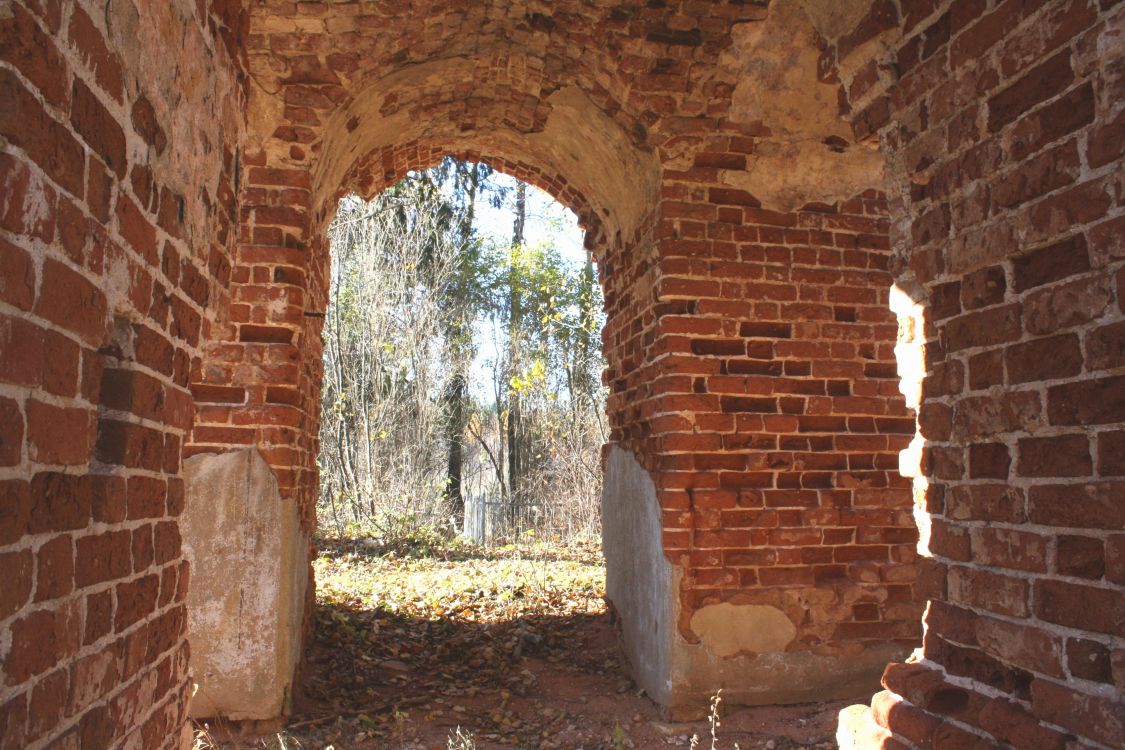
(1050, 358)
(982, 589)
(1036, 177)
(1007, 548)
(1009, 722)
(1106, 242)
(135, 600)
(1088, 715)
(986, 369)
(91, 678)
(147, 497)
(98, 128)
(97, 727)
(127, 444)
(989, 461)
(29, 203)
(1062, 456)
(11, 432)
(102, 557)
(1039, 84)
(1059, 118)
(167, 542)
(1080, 556)
(983, 288)
(1111, 453)
(72, 301)
(1098, 401)
(15, 510)
(61, 502)
(1025, 646)
(1105, 347)
(258, 334)
(1092, 505)
(24, 44)
(13, 720)
(133, 391)
(1051, 263)
(17, 276)
(986, 502)
(99, 616)
(59, 435)
(54, 575)
(19, 568)
(25, 124)
(1090, 608)
(997, 413)
(48, 702)
(1104, 144)
(107, 498)
(137, 229)
(820, 459)
(40, 640)
(95, 54)
(143, 118)
(1088, 660)
(985, 328)
(1066, 305)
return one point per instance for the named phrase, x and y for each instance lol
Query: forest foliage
(462, 388)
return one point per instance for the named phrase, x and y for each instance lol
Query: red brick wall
(772, 396)
(750, 345)
(751, 370)
(113, 219)
(252, 387)
(750, 350)
(1005, 138)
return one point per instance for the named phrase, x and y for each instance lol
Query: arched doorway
(615, 168)
(1001, 123)
(759, 537)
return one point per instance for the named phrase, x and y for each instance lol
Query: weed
(620, 739)
(713, 723)
(202, 739)
(461, 740)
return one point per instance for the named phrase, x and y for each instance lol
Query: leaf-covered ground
(513, 646)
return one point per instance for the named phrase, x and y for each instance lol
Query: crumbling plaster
(577, 141)
(806, 153)
(195, 96)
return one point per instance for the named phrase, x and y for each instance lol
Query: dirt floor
(512, 648)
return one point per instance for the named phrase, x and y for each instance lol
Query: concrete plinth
(249, 574)
(639, 578)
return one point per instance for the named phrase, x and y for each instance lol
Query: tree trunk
(457, 393)
(515, 321)
(456, 396)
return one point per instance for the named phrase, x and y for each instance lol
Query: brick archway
(156, 250)
(755, 419)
